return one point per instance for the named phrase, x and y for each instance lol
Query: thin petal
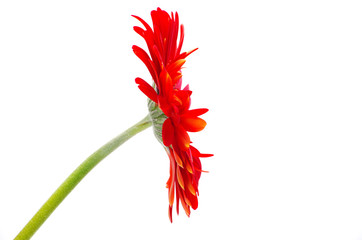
(147, 89)
(141, 54)
(171, 194)
(192, 200)
(196, 153)
(168, 132)
(180, 178)
(176, 80)
(193, 124)
(178, 159)
(185, 54)
(158, 56)
(196, 112)
(204, 155)
(148, 28)
(182, 35)
(161, 19)
(171, 181)
(139, 30)
(177, 200)
(166, 83)
(183, 139)
(176, 66)
(183, 202)
(189, 168)
(170, 213)
(185, 96)
(191, 188)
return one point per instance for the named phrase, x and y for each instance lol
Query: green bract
(158, 118)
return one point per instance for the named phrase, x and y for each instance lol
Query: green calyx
(158, 118)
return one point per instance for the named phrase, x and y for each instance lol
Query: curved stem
(77, 175)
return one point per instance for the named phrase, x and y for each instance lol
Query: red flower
(164, 64)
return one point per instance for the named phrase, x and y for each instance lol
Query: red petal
(170, 213)
(141, 54)
(168, 132)
(185, 99)
(204, 155)
(147, 89)
(177, 200)
(140, 31)
(192, 200)
(158, 56)
(176, 66)
(193, 124)
(176, 80)
(161, 19)
(191, 188)
(182, 35)
(183, 202)
(172, 39)
(178, 159)
(196, 112)
(185, 54)
(148, 28)
(180, 178)
(183, 139)
(166, 83)
(189, 168)
(171, 180)
(171, 194)
(196, 153)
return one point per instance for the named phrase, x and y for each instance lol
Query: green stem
(69, 184)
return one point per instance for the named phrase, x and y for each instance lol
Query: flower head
(169, 106)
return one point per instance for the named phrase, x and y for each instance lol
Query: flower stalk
(76, 176)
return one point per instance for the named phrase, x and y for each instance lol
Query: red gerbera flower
(169, 106)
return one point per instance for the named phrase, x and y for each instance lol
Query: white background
(282, 80)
